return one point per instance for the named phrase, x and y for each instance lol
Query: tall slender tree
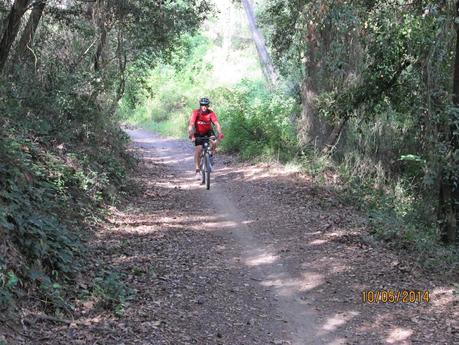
(31, 27)
(11, 30)
(263, 54)
(449, 188)
(100, 19)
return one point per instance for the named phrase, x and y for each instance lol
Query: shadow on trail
(325, 263)
(261, 258)
(328, 263)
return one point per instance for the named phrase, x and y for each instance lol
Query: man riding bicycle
(200, 125)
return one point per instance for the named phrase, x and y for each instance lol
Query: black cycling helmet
(204, 101)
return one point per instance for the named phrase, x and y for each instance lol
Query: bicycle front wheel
(207, 173)
(202, 168)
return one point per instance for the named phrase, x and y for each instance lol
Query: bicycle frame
(205, 165)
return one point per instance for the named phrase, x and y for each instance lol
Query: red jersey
(203, 122)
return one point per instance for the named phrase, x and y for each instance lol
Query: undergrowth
(61, 159)
(397, 217)
(111, 293)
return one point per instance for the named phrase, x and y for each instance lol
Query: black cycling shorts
(197, 141)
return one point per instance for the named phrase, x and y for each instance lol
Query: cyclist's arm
(214, 120)
(217, 125)
(191, 125)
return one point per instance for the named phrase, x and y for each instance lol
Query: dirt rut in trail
(277, 314)
(264, 257)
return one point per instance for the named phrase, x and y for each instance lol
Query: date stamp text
(395, 296)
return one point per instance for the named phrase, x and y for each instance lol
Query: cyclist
(200, 125)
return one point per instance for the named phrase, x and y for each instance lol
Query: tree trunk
(122, 61)
(263, 54)
(333, 139)
(312, 130)
(101, 26)
(31, 27)
(11, 29)
(449, 192)
(447, 209)
(100, 49)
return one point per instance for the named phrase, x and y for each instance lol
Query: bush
(111, 292)
(60, 158)
(256, 121)
(167, 93)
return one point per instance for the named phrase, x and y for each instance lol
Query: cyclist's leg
(213, 143)
(197, 157)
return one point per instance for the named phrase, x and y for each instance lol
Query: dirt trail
(264, 257)
(287, 320)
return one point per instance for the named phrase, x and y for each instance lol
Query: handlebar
(212, 137)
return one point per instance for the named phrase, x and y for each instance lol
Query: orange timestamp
(395, 296)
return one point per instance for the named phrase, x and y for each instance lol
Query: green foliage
(384, 68)
(52, 295)
(59, 158)
(162, 99)
(283, 34)
(256, 121)
(47, 188)
(112, 293)
(8, 282)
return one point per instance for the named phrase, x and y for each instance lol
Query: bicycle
(206, 162)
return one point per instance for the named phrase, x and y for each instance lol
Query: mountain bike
(206, 161)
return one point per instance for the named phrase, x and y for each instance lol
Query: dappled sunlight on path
(302, 247)
(264, 257)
